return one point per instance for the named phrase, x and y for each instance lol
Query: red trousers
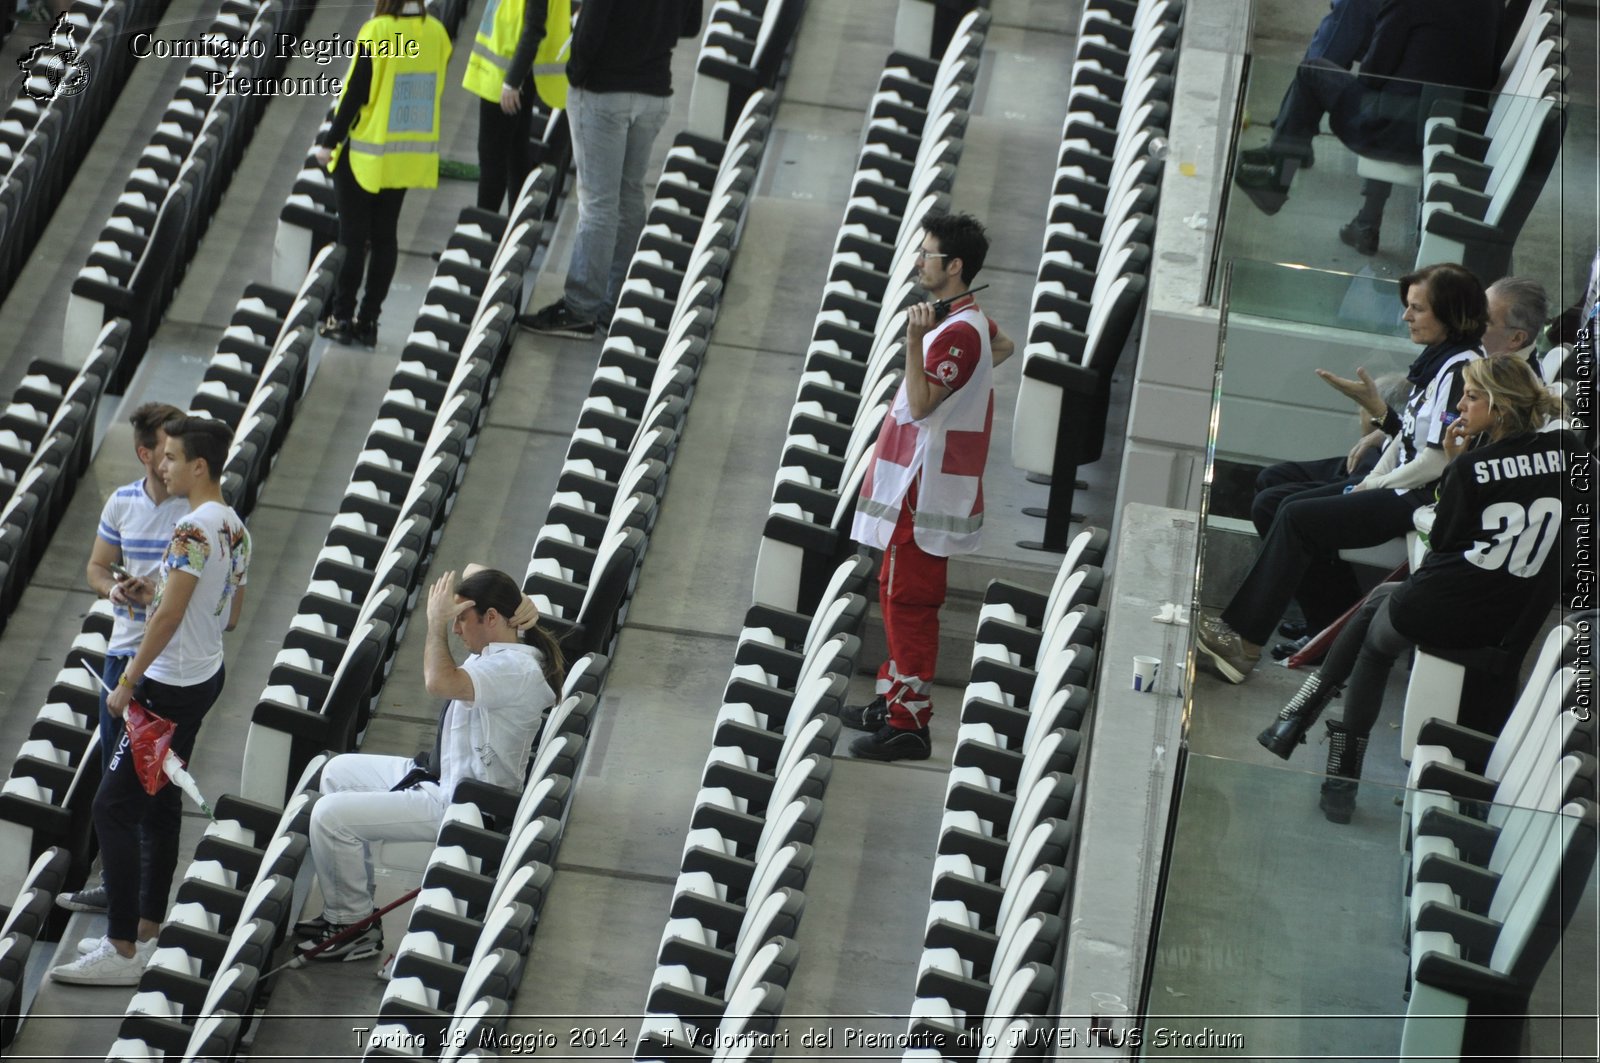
(911, 588)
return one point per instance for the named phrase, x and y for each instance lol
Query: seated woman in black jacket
(1446, 312)
(1498, 521)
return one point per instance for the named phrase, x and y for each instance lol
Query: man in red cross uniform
(922, 499)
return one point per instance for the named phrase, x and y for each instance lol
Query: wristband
(124, 680)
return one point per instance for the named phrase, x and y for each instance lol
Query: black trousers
(504, 153)
(368, 227)
(1322, 87)
(1300, 556)
(1276, 484)
(138, 832)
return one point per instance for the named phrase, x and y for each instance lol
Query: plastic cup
(1144, 673)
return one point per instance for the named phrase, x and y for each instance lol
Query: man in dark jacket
(1416, 47)
(621, 78)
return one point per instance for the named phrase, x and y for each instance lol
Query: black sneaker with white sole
(867, 717)
(316, 926)
(893, 743)
(359, 945)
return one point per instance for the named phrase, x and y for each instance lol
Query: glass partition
(1521, 201)
(1284, 936)
(1278, 932)
(1281, 323)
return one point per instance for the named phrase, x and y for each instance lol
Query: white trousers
(357, 809)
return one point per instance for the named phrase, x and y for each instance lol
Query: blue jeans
(612, 133)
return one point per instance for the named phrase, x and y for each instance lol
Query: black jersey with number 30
(1498, 530)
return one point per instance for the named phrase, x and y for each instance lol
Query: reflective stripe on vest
(496, 43)
(949, 512)
(394, 142)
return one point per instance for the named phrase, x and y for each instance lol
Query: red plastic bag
(149, 739)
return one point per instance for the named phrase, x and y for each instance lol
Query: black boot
(1345, 754)
(1289, 729)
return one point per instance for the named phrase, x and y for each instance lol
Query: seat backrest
(1522, 750)
(748, 954)
(1522, 826)
(1012, 996)
(219, 987)
(1554, 883)
(1027, 814)
(1036, 758)
(786, 789)
(1019, 900)
(497, 964)
(1530, 703)
(759, 917)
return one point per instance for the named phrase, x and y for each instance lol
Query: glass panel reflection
(1504, 184)
(1296, 946)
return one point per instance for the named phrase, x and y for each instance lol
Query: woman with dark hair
(1446, 312)
(384, 139)
(1498, 520)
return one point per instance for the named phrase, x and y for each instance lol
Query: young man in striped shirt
(135, 526)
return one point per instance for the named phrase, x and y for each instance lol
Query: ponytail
(555, 662)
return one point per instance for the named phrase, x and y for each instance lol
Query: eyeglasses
(921, 254)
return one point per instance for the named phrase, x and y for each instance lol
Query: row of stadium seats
(46, 799)
(1483, 170)
(742, 50)
(484, 885)
(995, 931)
(48, 128)
(458, 969)
(29, 916)
(175, 186)
(340, 644)
(198, 993)
(586, 556)
(912, 142)
(46, 439)
(1501, 838)
(728, 948)
(1098, 235)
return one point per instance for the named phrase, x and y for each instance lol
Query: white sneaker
(141, 948)
(103, 966)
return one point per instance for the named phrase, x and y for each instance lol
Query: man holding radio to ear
(922, 499)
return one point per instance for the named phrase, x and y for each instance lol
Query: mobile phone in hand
(120, 572)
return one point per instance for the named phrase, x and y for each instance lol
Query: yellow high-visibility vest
(498, 33)
(394, 141)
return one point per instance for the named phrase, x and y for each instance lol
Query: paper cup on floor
(1144, 673)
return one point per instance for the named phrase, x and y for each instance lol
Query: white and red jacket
(948, 448)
